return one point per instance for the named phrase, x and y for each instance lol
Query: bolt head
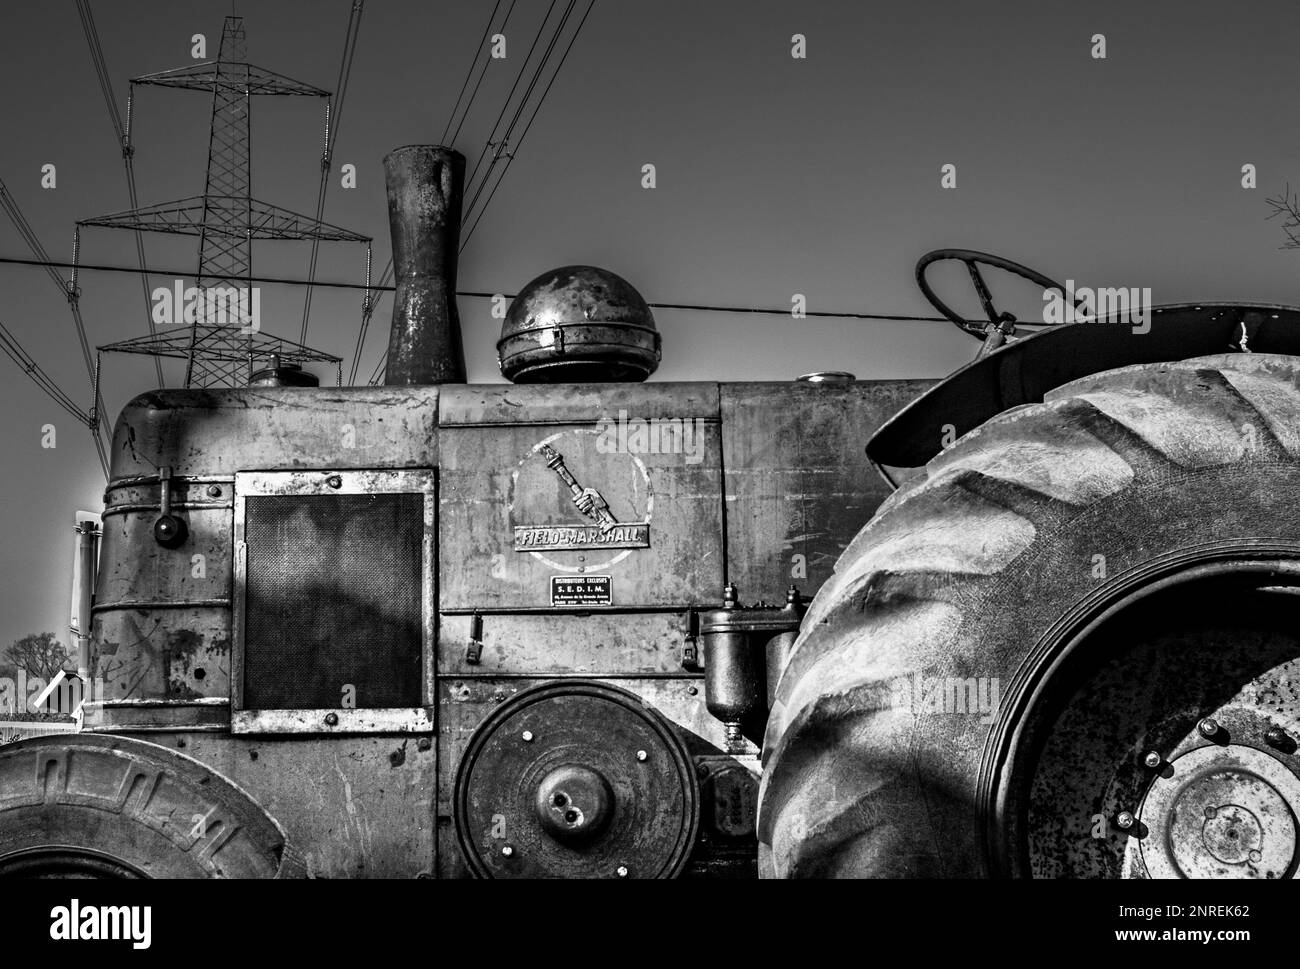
(214, 491)
(332, 719)
(641, 755)
(424, 743)
(1153, 759)
(621, 871)
(1208, 727)
(507, 850)
(334, 481)
(1124, 820)
(528, 736)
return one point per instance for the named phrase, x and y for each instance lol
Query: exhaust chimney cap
(578, 324)
(828, 377)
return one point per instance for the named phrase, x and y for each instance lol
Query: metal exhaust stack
(425, 187)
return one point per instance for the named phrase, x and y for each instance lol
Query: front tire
(88, 805)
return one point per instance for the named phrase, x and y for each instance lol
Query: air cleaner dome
(578, 324)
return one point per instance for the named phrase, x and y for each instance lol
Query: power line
(70, 293)
(14, 350)
(481, 74)
(475, 294)
(100, 66)
(365, 321)
(179, 274)
(478, 51)
(29, 236)
(509, 97)
(506, 147)
(333, 114)
(527, 127)
(379, 368)
(101, 69)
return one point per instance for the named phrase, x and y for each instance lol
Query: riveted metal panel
(161, 617)
(503, 485)
(799, 485)
(157, 651)
(219, 432)
(479, 404)
(355, 807)
(583, 644)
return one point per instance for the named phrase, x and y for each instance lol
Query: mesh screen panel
(333, 598)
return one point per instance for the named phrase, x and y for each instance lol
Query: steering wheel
(999, 325)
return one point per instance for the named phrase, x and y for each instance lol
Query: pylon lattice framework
(226, 219)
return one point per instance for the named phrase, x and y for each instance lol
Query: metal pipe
(87, 539)
(425, 188)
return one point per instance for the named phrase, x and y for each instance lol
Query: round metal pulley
(576, 779)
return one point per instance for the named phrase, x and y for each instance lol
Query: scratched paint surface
(799, 485)
(645, 466)
(356, 807)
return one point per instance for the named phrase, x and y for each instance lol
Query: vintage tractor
(509, 630)
(438, 629)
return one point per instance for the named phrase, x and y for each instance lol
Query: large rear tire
(981, 573)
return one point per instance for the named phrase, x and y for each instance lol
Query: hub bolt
(641, 755)
(1153, 759)
(1276, 737)
(507, 851)
(1124, 820)
(621, 871)
(1208, 727)
(528, 736)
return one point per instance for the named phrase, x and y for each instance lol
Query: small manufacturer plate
(581, 590)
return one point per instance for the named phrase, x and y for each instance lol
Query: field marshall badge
(603, 530)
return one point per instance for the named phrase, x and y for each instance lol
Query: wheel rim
(65, 861)
(1160, 708)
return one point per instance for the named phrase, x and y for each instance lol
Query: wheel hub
(1220, 812)
(574, 803)
(1164, 747)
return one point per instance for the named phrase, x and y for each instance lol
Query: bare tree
(40, 654)
(1287, 205)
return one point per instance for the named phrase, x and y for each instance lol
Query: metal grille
(333, 601)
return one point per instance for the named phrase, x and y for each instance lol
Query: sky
(774, 176)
